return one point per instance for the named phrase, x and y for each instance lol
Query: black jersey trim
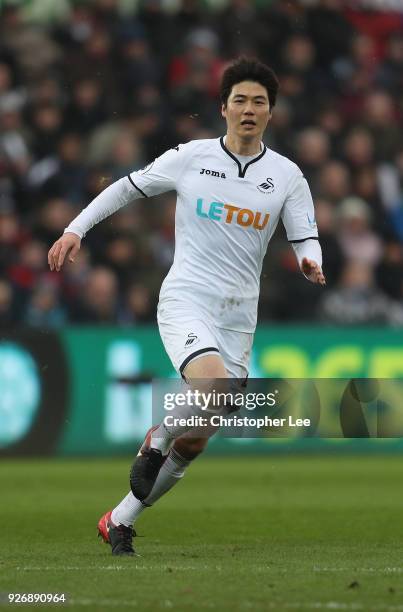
(196, 354)
(303, 239)
(241, 172)
(135, 186)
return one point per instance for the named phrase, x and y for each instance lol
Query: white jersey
(226, 214)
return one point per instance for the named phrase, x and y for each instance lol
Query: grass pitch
(239, 534)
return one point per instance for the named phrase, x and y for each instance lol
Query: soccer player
(231, 193)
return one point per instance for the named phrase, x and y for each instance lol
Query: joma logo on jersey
(228, 213)
(213, 173)
(267, 186)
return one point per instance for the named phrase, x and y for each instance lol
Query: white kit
(226, 213)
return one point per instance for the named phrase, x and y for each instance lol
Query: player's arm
(158, 177)
(309, 256)
(298, 216)
(105, 204)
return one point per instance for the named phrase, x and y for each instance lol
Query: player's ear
(223, 110)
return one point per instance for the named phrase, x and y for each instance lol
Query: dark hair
(249, 69)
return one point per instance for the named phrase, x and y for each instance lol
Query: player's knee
(208, 367)
(190, 448)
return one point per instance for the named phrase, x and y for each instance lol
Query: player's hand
(68, 245)
(313, 271)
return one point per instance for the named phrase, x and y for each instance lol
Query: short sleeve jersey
(225, 216)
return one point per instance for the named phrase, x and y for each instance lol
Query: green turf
(302, 533)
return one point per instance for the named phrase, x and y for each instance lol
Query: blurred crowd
(95, 89)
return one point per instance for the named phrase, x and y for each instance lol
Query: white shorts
(188, 333)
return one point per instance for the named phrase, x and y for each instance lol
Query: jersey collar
(241, 172)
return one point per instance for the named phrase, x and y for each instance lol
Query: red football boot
(118, 536)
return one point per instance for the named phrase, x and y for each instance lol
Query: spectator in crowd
(8, 315)
(325, 214)
(329, 30)
(358, 301)
(28, 270)
(312, 150)
(390, 72)
(334, 182)
(389, 272)
(43, 308)
(100, 299)
(357, 240)
(12, 235)
(138, 307)
(380, 114)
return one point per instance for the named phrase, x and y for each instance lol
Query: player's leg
(189, 340)
(116, 527)
(184, 450)
(203, 373)
(235, 351)
(205, 367)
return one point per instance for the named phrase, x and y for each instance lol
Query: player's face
(247, 111)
